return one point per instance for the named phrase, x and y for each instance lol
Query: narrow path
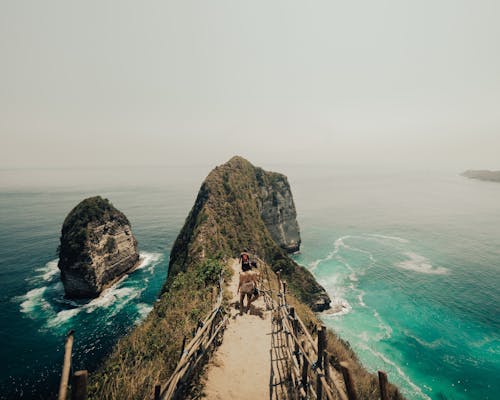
(241, 366)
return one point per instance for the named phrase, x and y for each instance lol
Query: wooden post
(79, 385)
(183, 346)
(321, 343)
(157, 392)
(349, 383)
(305, 367)
(63, 387)
(296, 350)
(319, 387)
(326, 366)
(382, 380)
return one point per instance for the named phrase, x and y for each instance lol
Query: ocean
(410, 259)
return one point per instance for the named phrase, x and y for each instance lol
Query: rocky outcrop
(97, 248)
(277, 210)
(483, 175)
(241, 206)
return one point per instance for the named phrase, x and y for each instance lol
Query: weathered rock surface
(97, 248)
(278, 212)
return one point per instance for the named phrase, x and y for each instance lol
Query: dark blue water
(35, 316)
(412, 262)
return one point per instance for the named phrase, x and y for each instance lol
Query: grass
(148, 354)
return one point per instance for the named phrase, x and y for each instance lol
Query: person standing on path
(247, 286)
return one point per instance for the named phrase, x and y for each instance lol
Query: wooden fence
(206, 337)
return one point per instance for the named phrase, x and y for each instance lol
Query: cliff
(483, 175)
(97, 248)
(242, 206)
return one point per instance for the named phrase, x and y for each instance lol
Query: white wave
(338, 308)
(33, 300)
(150, 260)
(395, 238)
(421, 264)
(49, 270)
(111, 295)
(143, 309)
(383, 326)
(400, 372)
(360, 298)
(62, 317)
(337, 245)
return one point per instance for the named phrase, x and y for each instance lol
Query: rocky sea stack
(97, 248)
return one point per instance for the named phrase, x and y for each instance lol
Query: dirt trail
(241, 366)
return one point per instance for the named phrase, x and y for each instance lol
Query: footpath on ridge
(240, 368)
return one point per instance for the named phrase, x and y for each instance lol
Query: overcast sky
(111, 83)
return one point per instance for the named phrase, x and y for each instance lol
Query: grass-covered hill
(226, 218)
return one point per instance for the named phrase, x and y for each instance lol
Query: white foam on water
(150, 260)
(33, 300)
(400, 372)
(383, 326)
(111, 295)
(49, 270)
(337, 245)
(420, 264)
(143, 309)
(360, 298)
(338, 308)
(395, 238)
(62, 317)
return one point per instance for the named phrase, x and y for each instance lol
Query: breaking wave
(48, 303)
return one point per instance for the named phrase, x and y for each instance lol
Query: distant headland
(483, 175)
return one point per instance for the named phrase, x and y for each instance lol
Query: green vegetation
(74, 229)
(149, 354)
(226, 218)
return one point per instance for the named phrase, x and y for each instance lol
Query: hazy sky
(159, 82)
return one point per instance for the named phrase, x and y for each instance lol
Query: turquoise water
(412, 264)
(411, 261)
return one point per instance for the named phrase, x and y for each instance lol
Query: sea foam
(421, 264)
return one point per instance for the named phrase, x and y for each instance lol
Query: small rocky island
(483, 175)
(97, 248)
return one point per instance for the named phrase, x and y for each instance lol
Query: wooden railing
(300, 365)
(206, 336)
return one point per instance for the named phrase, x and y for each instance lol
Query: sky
(346, 83)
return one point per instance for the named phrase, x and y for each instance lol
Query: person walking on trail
(245, 260)
(247, 287)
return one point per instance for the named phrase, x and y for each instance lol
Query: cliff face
(97, 248)
(242, 206)
(277, 210)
